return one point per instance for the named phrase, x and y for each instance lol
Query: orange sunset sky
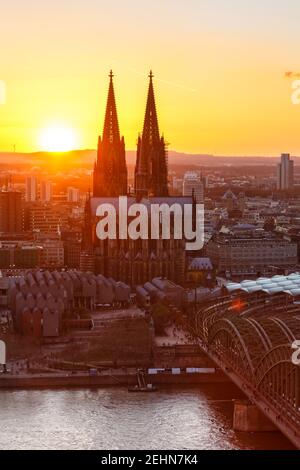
(219, 69)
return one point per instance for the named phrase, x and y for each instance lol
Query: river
(112, 419)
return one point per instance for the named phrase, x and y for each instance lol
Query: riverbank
(104, 380)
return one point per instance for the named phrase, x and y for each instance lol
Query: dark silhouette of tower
(131, 261)
(151, 172)
(110, 171)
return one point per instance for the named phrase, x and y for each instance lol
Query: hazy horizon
(220, 70)
(85, 158)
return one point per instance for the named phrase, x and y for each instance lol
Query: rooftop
(277, 284)
(199, 264)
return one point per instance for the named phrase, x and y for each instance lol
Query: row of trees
(163, 316)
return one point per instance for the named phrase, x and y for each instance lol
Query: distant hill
(84, 158)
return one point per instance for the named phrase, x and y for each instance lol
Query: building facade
(193, 185)
(31, 190)
(52, 250)
(285, 173)
(46, 191)
(242, 254)
(73, 195)
(11, 212)
(45, 217)
(21, 255)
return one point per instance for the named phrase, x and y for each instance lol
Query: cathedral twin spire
(110, 173)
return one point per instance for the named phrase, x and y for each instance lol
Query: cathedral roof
(200, 264)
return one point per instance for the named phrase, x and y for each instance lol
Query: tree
(162, 317)
(270, 225)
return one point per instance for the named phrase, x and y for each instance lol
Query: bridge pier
(247, 417)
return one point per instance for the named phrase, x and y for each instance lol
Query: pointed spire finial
(111, 126)
(151, 129)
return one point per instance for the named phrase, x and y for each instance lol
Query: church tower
(110, 171)
(151, 172)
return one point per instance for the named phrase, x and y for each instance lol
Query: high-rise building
(177, 184)
(31, 189)
(193, 185)
(73, 195)
(151, 171)
(285, 173)
(46, 191)
(11, 212)
(110, 171)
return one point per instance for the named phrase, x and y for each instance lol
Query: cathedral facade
(132, 261)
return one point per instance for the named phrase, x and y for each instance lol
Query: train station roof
(277, 284)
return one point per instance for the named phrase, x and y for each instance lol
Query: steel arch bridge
(251, 340)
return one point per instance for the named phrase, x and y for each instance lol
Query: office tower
(193, 185)
(31, 189)
(110, 171)
(151, 172)
(73, 195)
(46, 191)
(11, 212)
(285, 173)
(177, 184)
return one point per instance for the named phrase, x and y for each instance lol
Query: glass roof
(276, 284)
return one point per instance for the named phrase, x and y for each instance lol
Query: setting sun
(58, 139)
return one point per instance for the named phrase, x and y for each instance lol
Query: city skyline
(214, 100)
(149, 228)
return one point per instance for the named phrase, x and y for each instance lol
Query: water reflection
(197, 418)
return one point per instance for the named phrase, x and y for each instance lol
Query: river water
(112, 418)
